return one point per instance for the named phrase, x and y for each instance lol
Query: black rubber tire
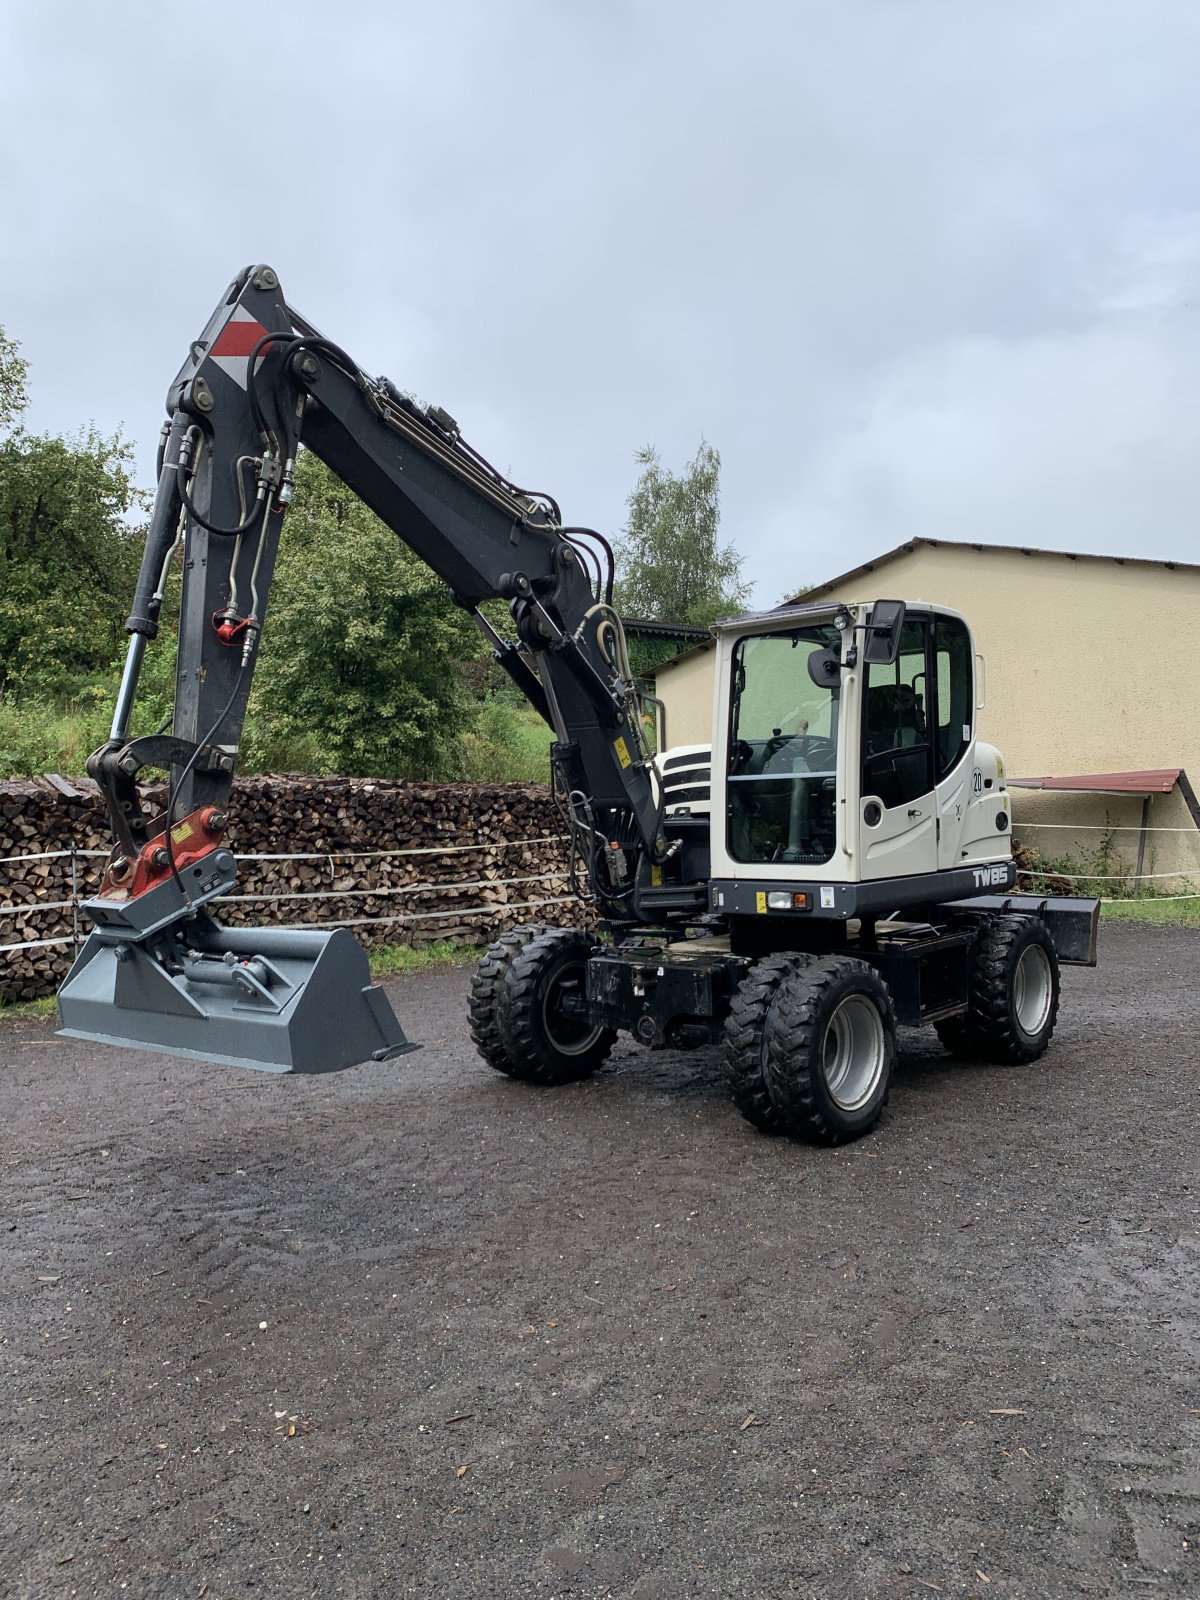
(804, 1012)
(532, 1051)
(485, 1004)
(745, 1039)
(992, 1029)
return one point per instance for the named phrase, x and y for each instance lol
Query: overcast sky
(913, 266)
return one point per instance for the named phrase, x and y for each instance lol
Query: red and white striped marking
(234, 343)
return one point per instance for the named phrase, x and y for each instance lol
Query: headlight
(787, 900)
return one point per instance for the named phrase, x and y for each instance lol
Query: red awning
(1159, 780)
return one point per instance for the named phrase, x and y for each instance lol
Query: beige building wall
(685, 687)
(1092, 665)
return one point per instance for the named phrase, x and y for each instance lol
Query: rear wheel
(541, 1005)
(484, 1006)
(831, 1049)
(1013, 994)
(745, 1036)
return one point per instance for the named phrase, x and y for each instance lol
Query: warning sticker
(826, 897)
(760, 902)
(622, 750)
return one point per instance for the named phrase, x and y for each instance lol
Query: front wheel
(751, 1012)
(831, 1049)
(542, 1015)
(486, 1007)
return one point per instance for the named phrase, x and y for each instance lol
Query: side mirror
(882, 645)
(824, 668)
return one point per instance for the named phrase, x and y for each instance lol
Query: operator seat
(896, 727)
(895, 718)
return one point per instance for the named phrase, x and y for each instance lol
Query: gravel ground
(417, 1330)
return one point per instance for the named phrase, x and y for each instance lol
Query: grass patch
(509, 744)
(390, 959)
(28, 1010)
(504, 741)
(39, 737)
(1157, 911)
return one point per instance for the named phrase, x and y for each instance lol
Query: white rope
(423, 850)
(37, 905)
(437, 916)
(410, 888)
(52, 855)
(34, 944)
(320, 855)
(492, 909)
(1100, 877)
(518, 844)
(1146, 899)
(1100, 827)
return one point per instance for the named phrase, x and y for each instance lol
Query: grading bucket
(280, 999)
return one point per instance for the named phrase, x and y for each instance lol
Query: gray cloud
(913, 267)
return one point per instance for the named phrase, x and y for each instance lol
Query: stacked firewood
(437, 862)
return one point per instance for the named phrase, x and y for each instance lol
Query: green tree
(14, 370)
(68, 555)
(670, 565)
(362, 646)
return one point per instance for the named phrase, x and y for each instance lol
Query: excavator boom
(258, 384)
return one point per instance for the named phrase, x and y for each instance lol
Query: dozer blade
(280, 999)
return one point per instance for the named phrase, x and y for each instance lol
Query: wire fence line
(1140, 899)
(355, 922)
(1101, 827)
(74, 854)
(426, 886)
(1188, 876)
(313, 855)
(1107, 877)
(38, 944)
(518, 844)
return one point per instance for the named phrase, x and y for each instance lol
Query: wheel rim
(567, 1033)
(854, 1053)
(1033, 989)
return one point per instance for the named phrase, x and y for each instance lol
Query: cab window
(783, 749)
(897, 747)
(955, 692)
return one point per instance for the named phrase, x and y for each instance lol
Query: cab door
(958, 782)
(898, 831)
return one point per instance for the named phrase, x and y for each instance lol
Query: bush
(509, 744)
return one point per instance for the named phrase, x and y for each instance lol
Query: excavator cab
(846, 754)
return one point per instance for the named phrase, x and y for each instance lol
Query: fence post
(74, 901)
(1141, 860)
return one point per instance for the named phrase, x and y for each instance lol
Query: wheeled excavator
(836, 862)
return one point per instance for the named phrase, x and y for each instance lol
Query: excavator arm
(258, 384)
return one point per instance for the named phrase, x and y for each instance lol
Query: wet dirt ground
(418, 1330)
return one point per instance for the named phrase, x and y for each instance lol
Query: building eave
(1029, 551)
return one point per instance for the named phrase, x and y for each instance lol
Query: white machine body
(874, 774)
